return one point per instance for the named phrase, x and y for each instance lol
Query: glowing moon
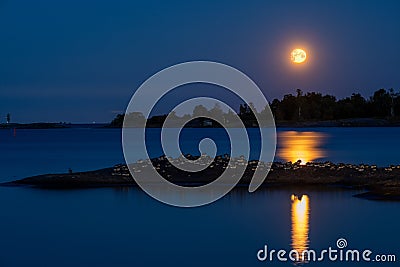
(298, 55)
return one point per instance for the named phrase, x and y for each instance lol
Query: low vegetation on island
(378, 183)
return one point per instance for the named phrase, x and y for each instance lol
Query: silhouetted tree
(299, 102)
(200, 110)
(216, 112)
(135, 119)
(289, 107)
(312, 106)
(328, 107)
(229, 117)
(186, 117)
(381, 102)
(393, 96)
(247, 116)
(352, 107)
(117, 121)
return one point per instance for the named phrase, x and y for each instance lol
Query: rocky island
(380, 183)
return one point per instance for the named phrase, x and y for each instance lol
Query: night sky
(81, 61)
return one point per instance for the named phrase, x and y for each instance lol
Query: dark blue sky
(80, 61)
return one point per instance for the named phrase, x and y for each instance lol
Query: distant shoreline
(51, 125)
(380, 183)
(355, 122)
(352, 122)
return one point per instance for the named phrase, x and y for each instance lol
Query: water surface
(125, 227)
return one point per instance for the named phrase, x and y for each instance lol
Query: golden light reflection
(304, 146)
(300, 223)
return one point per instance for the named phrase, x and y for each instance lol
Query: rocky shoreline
(380, 183)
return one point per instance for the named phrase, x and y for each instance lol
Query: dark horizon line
(390, 91)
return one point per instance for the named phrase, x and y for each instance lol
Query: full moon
(298, 55)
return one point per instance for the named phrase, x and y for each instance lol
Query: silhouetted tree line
(318, 107)
(310, 106)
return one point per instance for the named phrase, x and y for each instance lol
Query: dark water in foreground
(125, 227)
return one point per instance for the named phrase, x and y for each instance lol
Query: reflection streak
(300, 224)
(304, 146)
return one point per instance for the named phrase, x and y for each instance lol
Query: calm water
(121, 227)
